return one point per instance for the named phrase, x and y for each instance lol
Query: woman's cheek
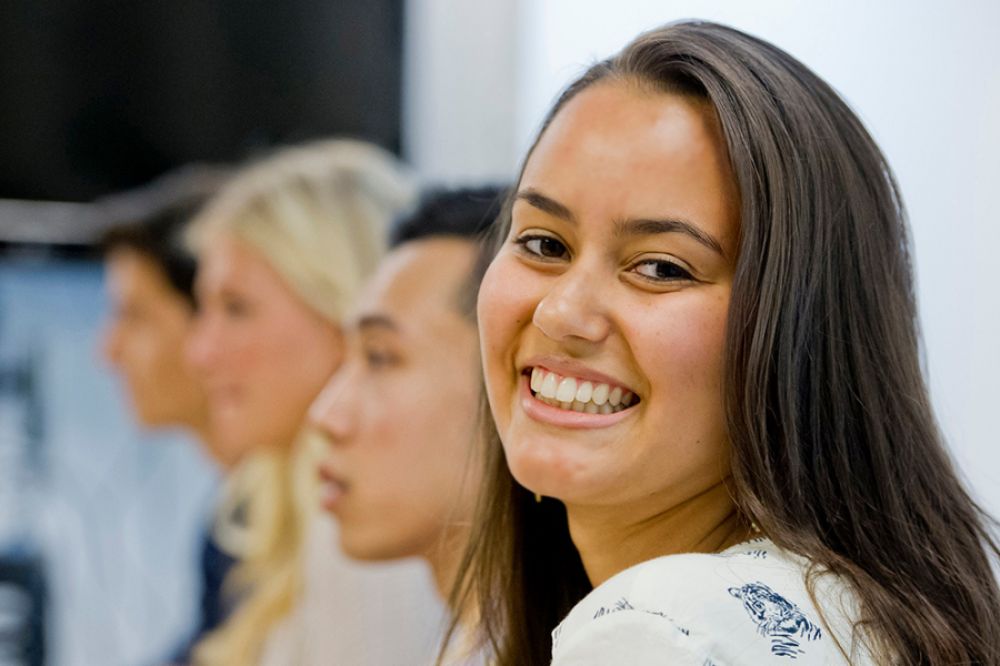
(498, 307)
(504, 308)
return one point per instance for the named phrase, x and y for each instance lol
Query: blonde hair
(318, 214)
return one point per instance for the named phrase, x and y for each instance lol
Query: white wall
(458, 89)
(922, 75)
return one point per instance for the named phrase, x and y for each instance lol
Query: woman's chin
(552, 469)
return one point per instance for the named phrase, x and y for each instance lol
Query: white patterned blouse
(745, 606)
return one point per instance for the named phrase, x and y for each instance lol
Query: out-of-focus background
(99, 522)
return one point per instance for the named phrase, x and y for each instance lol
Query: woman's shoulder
(746, 605)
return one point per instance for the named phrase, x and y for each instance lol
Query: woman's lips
(565, 418)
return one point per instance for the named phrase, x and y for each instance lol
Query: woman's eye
(661, 270)
(545, 247)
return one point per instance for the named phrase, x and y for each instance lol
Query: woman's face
(261, 351)
(610, 295)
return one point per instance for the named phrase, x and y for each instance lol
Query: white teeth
(536, 379)
(578, 395)
(567, 390)
(548, 388)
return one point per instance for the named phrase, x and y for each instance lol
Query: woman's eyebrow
(546, 204)
(632, 227)
(643, 227)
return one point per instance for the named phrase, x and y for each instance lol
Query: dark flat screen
(98, 96)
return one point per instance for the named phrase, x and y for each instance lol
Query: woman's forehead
(618, 152)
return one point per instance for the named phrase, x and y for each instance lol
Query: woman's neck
(612, 539)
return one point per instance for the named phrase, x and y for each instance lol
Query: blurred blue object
(98, 521)
(22, 609)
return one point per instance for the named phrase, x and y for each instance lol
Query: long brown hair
(836, 454)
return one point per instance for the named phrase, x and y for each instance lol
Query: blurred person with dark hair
(400, 414)
(150, 276)
(150, 281)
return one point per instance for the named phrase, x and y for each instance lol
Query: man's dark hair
(152, 219)
(159, 237)
(466, 213)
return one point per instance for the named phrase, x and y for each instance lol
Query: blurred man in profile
(149, 277)
(400, 415)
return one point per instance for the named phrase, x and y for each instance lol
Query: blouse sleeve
(634, 638)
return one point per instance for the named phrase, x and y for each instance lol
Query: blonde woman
(282, 250)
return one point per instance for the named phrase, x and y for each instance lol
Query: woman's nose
(573, 309)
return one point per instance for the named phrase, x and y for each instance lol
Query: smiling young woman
(700, 345)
